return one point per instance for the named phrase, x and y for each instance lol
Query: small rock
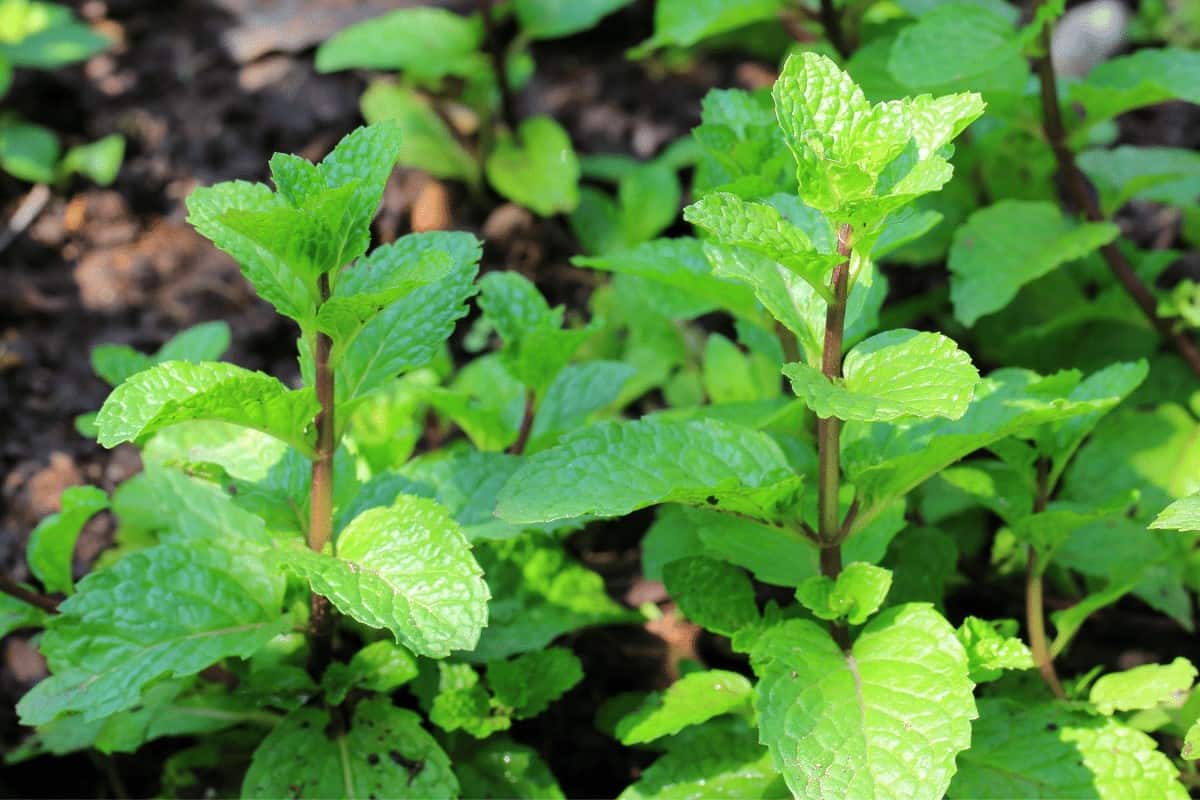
(431, 209)
(1087, 35)
(42, 492)
(23, 660)
(507, 222)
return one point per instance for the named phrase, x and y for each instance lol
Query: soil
(202, 95)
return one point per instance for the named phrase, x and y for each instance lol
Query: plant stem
(518, 447)
(1035, 619)
(320, 520)
(508, 111)
(832, 22)
(829, 528)
(1080, 191)
(13, 589)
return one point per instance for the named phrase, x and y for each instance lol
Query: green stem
(1035, 614)
(320, 521)
(829, 528)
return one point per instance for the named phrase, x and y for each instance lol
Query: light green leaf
(711, 593)
(683, 23)
(648, 198)
(1147, 686)
(1182, 515)
(407, 568)
(385, 753)
(525, 686)
(99, 160)
(992, 647)
(504, 768)
(16, 614)
(379, 667)
(537, 168)
(27, 151)
(1048, 751)
(956, 46)
(720, 759)
(171, 610)
(892, 714)
(900, 373)
(856, 594)
(1007, 245)
(424, 42)
(1143, 78)
(428, 143)
(681, 265)
(761, 228)
(1162, 174)
(204, 342)
(52, 542)
(177, 391)
(576, 393)
(59, 40)
(410, 332)
(695, 698)
(551, 19)
(674, 462)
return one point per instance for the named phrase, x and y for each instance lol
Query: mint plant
(47, 36)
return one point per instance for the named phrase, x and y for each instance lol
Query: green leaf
(683, 23)
(1049, 751)
(1147, 686)
(1143, 78)
(504, 768)
(992, 647)
(1162, 174)
(410, 332)
(204, 342)
(695, 698)
(171, 610)
(379, 667)
(648, 198)
(761, 228)
(526, 685)
(407, 568)
(957, 46)
(989, 262)
(428, 143)
(426, 43)
(711, 593)
(679, 264)
(27, 151)
(99, 160)
(462, 703)
(177, 391)
(573, 397)
(720, 759)
(52, 542)
(1182, 515)
(900, 373)
(537, 168)
(16, 614)
(63, 41)
(589, 471)
(385, 753)
(892, 714)
(551, 19)
(855, 595)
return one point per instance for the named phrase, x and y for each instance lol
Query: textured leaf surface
(407, 568)
(695, 698)
(52, 542)
(1005, 246)
(1047, 751)
(538, 168)
(424, 42)
(526, 685)
(386, 753)
(204, 342)
(992, 647)
(169, 610)
(679, 462)
(1143, 687)
(379, 667)
(900, 373)
(712, 594)
(177, 391)
(1182, 515)
(885, 721)
(855, 595)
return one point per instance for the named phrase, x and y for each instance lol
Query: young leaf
(385, 753)
(892, 714)
(695, 698)
(992, 647)
(428, 143)
(711, 593)
(171, 610)
(177, 391)
(855, 595)
(989, 261)
(424, 42)
(379, 667)
(1182, 515)
(1049, 751)
(537, 168)
(677, 462)
(1147, 686)
(52, 542)
(407, 568)
(526, 685)
(900, 373)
